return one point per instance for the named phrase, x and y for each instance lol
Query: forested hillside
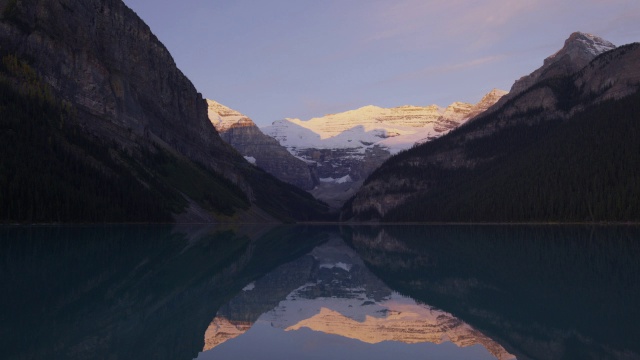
(51, 171)
(583, 169)
(566, 149)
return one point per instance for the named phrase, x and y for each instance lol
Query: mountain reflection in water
(442, 292)
(331, 291)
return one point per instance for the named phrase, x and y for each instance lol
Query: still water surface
(320, 292)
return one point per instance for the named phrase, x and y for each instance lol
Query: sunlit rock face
(263, 151)
(347, 147)
(331, 291)
(221, 330)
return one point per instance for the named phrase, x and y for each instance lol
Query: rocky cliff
(261, 150)
(550, 126)
(578, 50)
(100, 56)
(127, 96)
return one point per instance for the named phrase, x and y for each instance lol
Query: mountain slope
(348, 146)
(564, 149)
(126, 99)
(578, 50)
(264, 151)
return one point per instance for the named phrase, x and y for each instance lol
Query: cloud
(482, 22)
(430, 71)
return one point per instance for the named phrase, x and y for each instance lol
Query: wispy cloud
(429, 71)
(451, 20)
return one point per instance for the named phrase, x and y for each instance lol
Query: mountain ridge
(486, 158)
(346, 147)
(263, 151)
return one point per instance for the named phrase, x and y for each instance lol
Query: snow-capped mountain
(393, 129)
(333, 292)
(348, 146)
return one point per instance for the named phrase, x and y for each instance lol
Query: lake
(320, 292)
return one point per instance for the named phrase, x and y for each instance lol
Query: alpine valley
(98, 124)
(331, 156)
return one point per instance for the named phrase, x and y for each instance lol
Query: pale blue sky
(272, 59)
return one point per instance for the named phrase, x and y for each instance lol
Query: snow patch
(250, 159)
(339, 265)
(249, 287)
(341, 180)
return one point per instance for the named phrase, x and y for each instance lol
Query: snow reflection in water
(331, 292)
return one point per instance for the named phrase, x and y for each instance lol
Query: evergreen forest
(581, 169)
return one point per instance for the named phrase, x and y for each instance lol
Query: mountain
(578, 50)
(139, 292)
(575, 283)
(561, 148)
(99, 125)
(331, 291)
(259, 149)
(348, 146)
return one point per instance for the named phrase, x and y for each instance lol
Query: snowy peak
(346, 147)
(582, 45)
(224, 118)
(394, 129)
(370, 118)
(578, 50)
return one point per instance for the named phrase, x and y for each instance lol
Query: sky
(275, 59)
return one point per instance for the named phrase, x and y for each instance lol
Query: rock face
(262, 150)
(333, 292)
(486, 102)
(349, 146)
(578, 50)
(576, 78)
(99, 57)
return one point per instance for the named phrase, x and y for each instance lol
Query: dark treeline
(529, 286)
(71, 285)
(582, 169)
(49, 172)
(52, 171)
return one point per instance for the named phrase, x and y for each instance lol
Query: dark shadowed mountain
(99, 124)
(261, 150)
(542, 292)
(128, 292)
(346, 147)
(562, 146)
